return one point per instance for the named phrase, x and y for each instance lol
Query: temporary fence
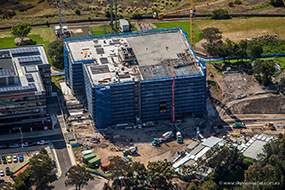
(247, 57)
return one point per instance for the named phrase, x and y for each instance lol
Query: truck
(131, 150)
(179, 137)
(163, 138)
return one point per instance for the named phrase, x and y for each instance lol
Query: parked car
(14, 145)
(25, 144)
(2, 173)
(7, 171)
(42, 142)
(9, 159)
(4, 160)
(15, 159)
(21, 158)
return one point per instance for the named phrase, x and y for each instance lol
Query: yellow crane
(192, 9)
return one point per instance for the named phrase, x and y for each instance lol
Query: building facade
(128, 77)
(25, 82)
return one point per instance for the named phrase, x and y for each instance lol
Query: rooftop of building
(135, 56)
(19, 69)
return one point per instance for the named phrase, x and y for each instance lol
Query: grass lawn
(97, 30)
(242, 28)
(53, 79)
(184, 25)
(9, 41)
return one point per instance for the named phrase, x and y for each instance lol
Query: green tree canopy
(192, 186)
(220, 14)
(277, 3)
(21, 30)
(55, 51)
(78, 176)
(211, 34)
(254, 49)
(40, 170)
(266, 68)
(22, 181)
(282, 82)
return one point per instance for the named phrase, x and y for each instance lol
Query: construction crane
(192, 9)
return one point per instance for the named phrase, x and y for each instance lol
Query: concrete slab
(151, 49)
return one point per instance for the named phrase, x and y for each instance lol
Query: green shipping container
(237, 124)
(95, 162)
(88, 157)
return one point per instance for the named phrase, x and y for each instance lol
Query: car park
(21, 158)
(7, 171)
(4, 160)
(15, 159)
(2, 173)
(9, 159)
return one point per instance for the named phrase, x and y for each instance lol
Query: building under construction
(128, 77)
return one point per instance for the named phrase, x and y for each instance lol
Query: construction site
(129, 77)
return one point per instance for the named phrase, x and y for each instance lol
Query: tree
(139, 172)
(220, 14)
(22, 181)
(107, 186)
(43, 150)
(159, 173)
(77, 11)
(266, 68)
(211, 34)
(21, 30)
(282, 82)
(208, 185)
(238, 2)
(192, 186)
(40, 170)
(120, 168)
(55, 51)
(78, 176)
(211, 49)
(243, 47)
(254, 49)
(277, 3)
(7, 186)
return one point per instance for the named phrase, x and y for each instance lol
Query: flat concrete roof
(210, 142)
(151, 49)
(142, 56)
(6, 63)
(197, 149)
(254, 149)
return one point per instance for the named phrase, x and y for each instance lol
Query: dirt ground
(141, 138)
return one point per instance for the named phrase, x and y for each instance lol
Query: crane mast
(192, 24)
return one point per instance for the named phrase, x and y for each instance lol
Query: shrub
(107, 13)
(175, 4)
(149, 12)
(46, 22)
(89, 18)
(129, 7)
(120, 10)
(231, 4)
(145, 8)
(277, 3)
(135, 2)
(238, 2)
(77, 11)
(162, 1)
(137, 15)
(220, 14)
